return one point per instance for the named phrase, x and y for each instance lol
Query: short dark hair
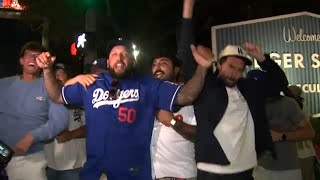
(32, 46)
(167, 53)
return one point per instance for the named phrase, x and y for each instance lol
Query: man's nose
(234, 74)
(121, 56)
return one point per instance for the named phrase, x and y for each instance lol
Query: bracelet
(173, 122)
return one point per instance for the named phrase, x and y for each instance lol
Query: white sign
(81, 40)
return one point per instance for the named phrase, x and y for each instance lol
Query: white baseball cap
(232, 50)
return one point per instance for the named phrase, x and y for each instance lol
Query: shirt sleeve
(296, 113)
(166, 93)
(73, 94)
(58, 120)
(186, 38)
(192, 116)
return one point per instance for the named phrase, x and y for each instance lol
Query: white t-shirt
(71, 154)
(172, 155)
(235, 133)
(305, 148)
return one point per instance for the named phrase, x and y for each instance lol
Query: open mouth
(32, 64)
(158, 74)
(119, 66)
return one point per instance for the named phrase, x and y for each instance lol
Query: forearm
(185, 130)
(47, 131)
(301, 134)
(277, 76)
(52, 85)
(71, 81)
(190, 91)
(187, 11)
(57, 122)
(79, 132)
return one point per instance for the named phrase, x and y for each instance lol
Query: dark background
(148, 23)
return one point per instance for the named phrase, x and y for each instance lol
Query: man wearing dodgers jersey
(120, 109)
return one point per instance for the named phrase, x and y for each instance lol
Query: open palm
(202, 56)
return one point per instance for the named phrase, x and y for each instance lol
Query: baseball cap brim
(246, 60)
(236, 51)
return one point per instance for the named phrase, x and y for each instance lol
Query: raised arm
(84, 79)
(276, 75)
(186, 38)
(191, 90)
(53, 87)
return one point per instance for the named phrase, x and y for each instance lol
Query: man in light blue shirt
(28, 117)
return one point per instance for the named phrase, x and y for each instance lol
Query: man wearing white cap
(231, 122)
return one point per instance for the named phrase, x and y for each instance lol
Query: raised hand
(188, 8)
(254, 51)
(203, 56)
(45, 60)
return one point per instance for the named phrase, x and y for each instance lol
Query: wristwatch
(173, 122)
(284, 137)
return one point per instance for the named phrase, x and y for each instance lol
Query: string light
(15, 5)
(135, 51)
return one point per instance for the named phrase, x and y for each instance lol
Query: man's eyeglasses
(114, 92)
(31, 56)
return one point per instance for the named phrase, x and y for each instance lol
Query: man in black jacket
(231, 121)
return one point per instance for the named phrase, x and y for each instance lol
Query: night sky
(150, 22)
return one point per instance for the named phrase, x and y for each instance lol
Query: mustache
(157, 71)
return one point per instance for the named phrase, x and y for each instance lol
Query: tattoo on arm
(191, 90)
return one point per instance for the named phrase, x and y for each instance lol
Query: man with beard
(172, 147)
(28, 117)
(120, 109)
(231, 121)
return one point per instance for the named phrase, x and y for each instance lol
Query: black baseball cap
(119, 42)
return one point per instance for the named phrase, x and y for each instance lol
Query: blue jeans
(72, 174)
